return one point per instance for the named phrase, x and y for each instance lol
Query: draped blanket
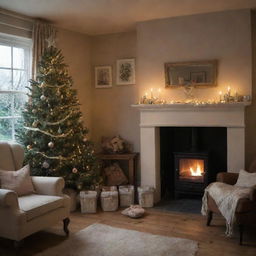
(226, 197)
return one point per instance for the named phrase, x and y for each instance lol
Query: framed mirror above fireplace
(193, 73)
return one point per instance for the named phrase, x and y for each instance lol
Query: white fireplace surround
(152, 117)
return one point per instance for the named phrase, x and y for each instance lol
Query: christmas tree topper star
(50, 41)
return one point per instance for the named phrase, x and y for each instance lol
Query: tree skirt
(104, 240)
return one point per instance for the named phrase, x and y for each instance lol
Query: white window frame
(25, 43)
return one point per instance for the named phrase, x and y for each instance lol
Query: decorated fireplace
(166, 128)
(190, 173)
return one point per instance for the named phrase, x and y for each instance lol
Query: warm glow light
(229, 88)
(197, 172)
(220, 93)
(151, 89)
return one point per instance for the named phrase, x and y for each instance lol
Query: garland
(59, 122)
(52, 86)
(54, 157)
(47, 133)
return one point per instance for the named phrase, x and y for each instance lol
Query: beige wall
(112, 113)
(76, 50)
(225, 36)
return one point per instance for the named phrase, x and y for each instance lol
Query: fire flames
(197, 172)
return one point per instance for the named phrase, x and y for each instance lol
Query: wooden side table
(131, 158)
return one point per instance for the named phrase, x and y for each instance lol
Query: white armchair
(24, 215)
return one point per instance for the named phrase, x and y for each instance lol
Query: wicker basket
(88, 201)
(109, 199)
(73, 198)
(146, 196)
(126, 194)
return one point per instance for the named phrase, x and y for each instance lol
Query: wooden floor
(212, 241)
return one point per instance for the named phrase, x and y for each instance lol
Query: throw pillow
(115, 175)
(246, 179)
(18, 181)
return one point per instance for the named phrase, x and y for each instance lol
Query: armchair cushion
(48, 185)
(36, 205)
(246, 179)
(18, 181)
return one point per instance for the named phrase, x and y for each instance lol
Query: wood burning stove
(191, 176)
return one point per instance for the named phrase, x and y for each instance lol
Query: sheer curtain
(41, 32)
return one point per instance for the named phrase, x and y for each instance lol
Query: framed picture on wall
(103, 76)
(125, 71)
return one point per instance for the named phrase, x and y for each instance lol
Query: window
(15, 71)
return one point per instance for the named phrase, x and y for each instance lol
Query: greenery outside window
(15, 71)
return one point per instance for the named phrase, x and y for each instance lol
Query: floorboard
(212, 241)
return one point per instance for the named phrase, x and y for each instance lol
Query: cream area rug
(104, 240)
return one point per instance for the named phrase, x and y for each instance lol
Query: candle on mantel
(229, 91)
(159, 93)
(220, 93)
(236, 96)
(151, 93)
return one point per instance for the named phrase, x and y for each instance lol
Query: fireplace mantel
(194, 106)
(152, 117)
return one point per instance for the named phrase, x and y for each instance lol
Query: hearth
(191, 175)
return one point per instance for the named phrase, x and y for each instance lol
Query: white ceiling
(109, 16)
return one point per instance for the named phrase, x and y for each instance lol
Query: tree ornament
(79, 186)
(43, 97)
(50, 144)
(45, 165)
(87, 167)
(85, 139)
(35, 124)
(58, 93)
(34, 111)
(74, 170)
(59, 131)
(43, 84)
(29, 147)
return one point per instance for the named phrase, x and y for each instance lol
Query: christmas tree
(53, 133)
